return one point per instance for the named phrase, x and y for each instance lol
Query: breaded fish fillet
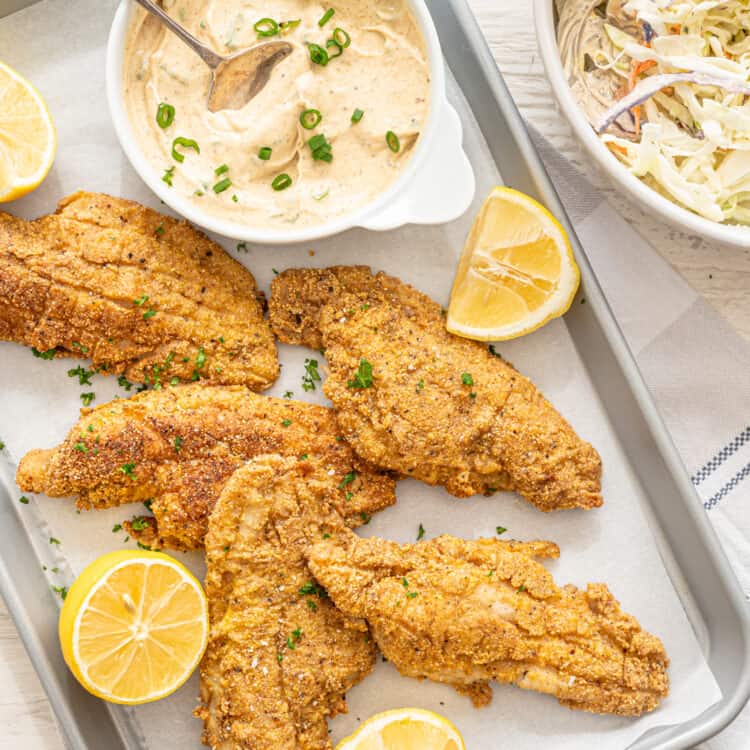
(176, 448)
(415, 399)
(280, 656)
(141, 294)
(466, 612)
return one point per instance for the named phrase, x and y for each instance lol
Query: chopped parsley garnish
(491, 350)
(49, 354)
(82, 447)
(363, 376)
(81, 348)
(348, 479)
(311, 375)
(160, 230)
(420, 532)
(87, 398)
(520, 589)
(242, 247)
(177, 443)
(147, 503)
(466, 378)
(420, 385)
(141, 300)
(139, 524)
(128, 470)
(311, 588)
(288, 394)
(123, 382)
(200, 361)
(303, 457)
(117, 528)
(286, 422)
(365, 518)
(23, 500)
(500, 530)
(84, 376)
(149, 314)
(62, 590)
(141, 545)
(52, 540)
(311, 605)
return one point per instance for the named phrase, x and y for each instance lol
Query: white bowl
(647, 198)
(428, 191)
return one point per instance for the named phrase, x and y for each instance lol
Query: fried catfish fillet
(415, 399)
(466, 612)
(141, 294)
(280, 656)
(176, 448)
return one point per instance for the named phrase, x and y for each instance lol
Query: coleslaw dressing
(383, 72)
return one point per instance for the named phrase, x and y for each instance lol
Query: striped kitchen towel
(696, 367)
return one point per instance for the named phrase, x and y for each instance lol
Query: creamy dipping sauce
(383, 73)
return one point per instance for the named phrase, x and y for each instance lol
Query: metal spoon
(235, 79)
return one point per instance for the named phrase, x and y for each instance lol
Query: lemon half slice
(516, 272)
(405, 729)
(27, 136)
(134, 626)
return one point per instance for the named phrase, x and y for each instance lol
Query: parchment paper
(60, 46)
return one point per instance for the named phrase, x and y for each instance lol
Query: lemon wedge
(516, 272)
(134, 626)
(27, 136)
(405, 729)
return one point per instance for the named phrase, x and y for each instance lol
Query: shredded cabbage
(679, 114)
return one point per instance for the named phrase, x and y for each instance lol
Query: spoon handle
(207, 55)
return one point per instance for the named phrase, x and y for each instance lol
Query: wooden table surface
(720, 274)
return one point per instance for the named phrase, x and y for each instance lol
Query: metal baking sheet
(688, 546)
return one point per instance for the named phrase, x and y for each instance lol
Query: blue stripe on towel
(728, 450)
(712, 502)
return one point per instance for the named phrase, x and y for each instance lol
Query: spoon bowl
(235, 79)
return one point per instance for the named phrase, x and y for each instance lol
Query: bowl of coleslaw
(658, 94)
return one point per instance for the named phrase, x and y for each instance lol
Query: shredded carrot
(618, 147)
(639, 68)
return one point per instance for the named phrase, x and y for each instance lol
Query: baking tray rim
(35, 618)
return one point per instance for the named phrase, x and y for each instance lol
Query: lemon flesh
(27, 136)
(405, 729)
(516, 271)
(134, 626)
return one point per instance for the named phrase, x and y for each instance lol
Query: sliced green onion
(185, 143)
(317, 141)
(168, 175)
(393, 142)
(266, 27)
(357, 115)
(341, 37)
(222, 185)
(310, 119)
(327, 16)
(164, 115)
(223, 169)
(281, 182)
(339, 50)
(286, 26)
(265, 153)
(317, 54)
(321, 148)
